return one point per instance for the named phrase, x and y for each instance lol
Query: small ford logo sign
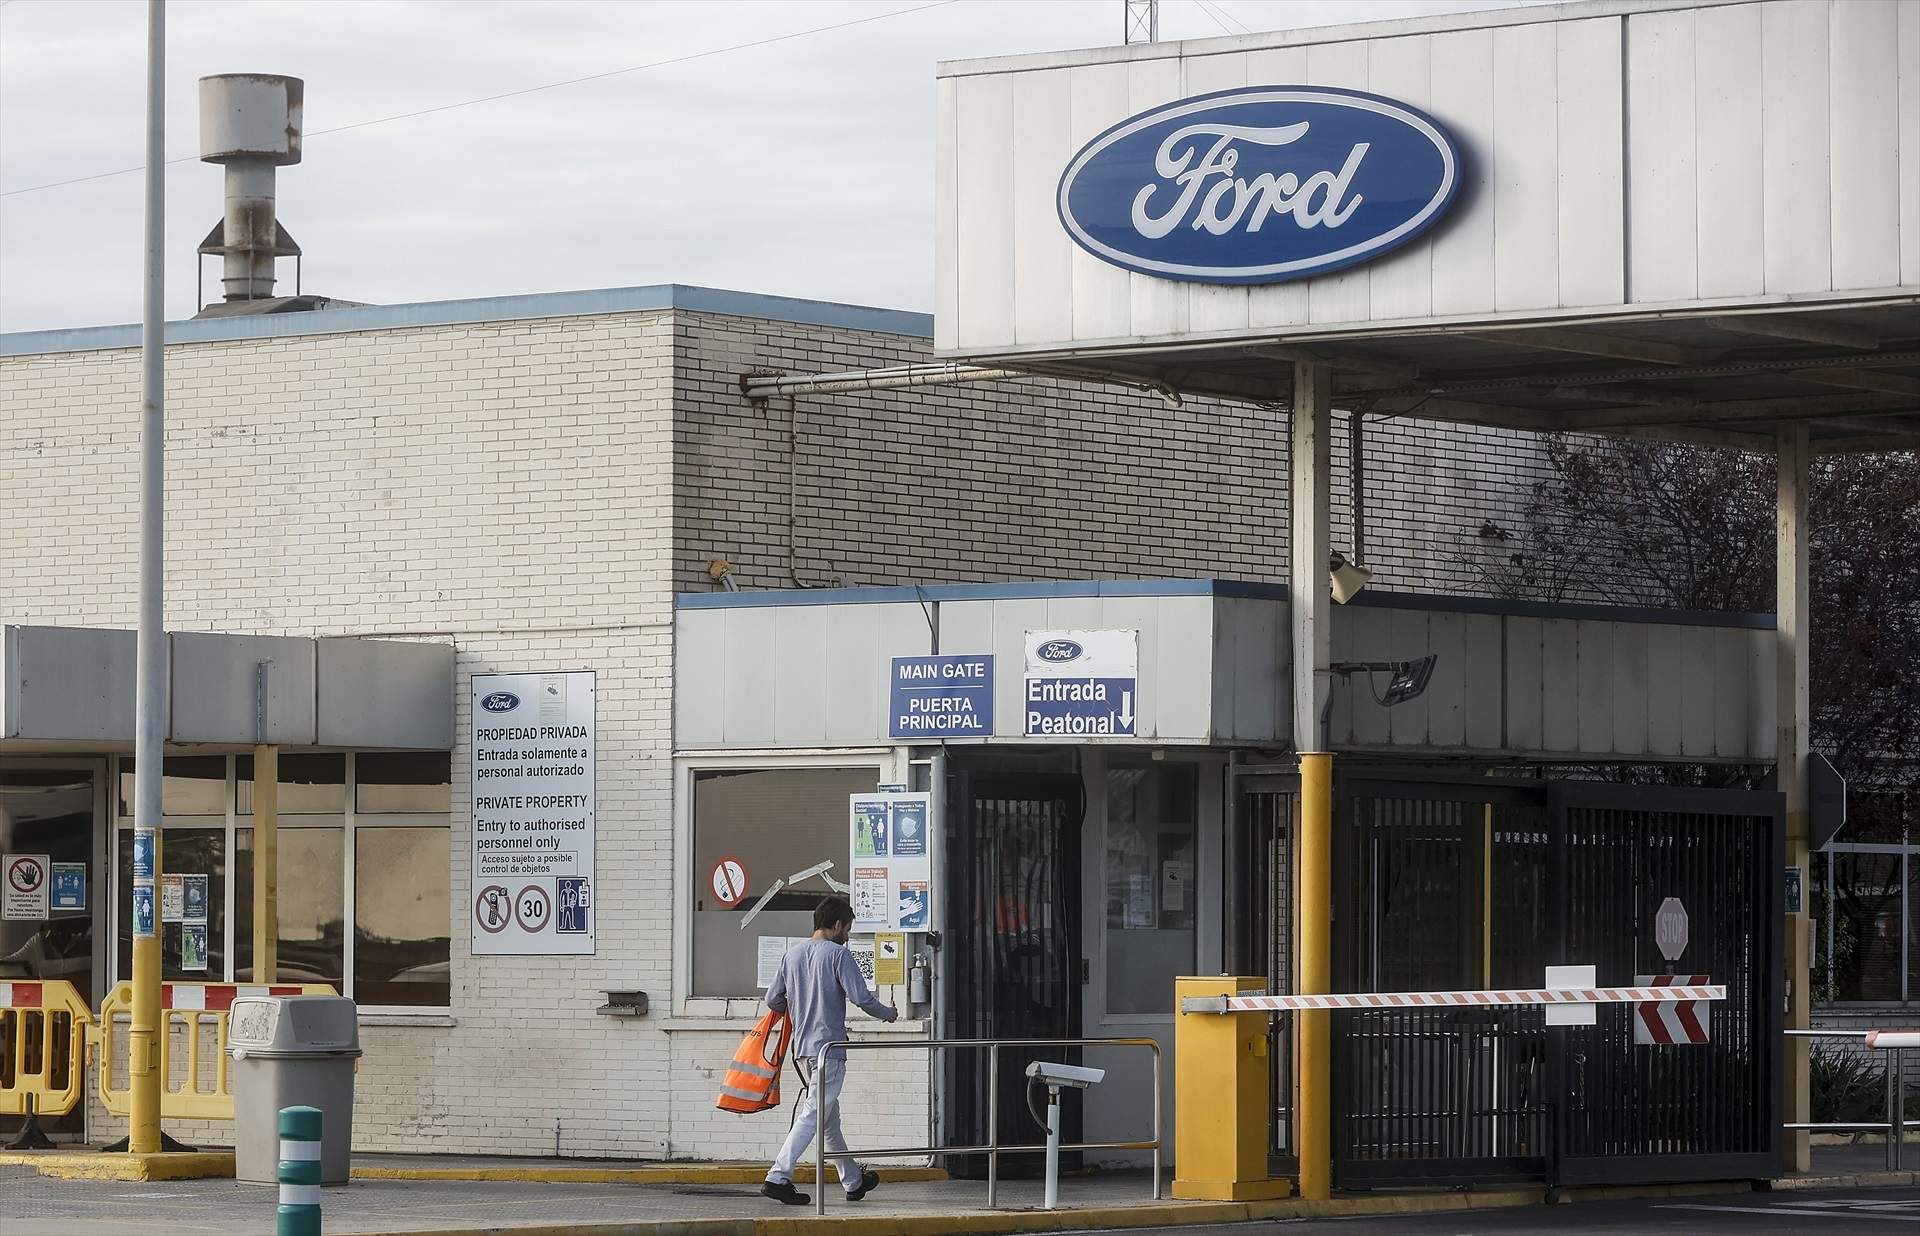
(500, 701)
(1060, 650)
(1259, 185)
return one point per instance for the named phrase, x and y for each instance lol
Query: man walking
(812, 986)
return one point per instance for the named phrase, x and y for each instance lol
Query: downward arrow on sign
(1126, 708)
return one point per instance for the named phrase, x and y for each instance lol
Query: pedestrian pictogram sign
(1670, 1022)
(24, 886)
(1670, 928)
(728, 882)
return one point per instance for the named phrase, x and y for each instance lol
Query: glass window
(48, 811)
(1150, 868)
(309, 784)
(402, 782)
(312, 905)
(183, 851)
(189, 785)
(401, 932)
(1866, 926)
(776, 821)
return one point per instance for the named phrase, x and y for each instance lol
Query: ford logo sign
(1059, 651)
(1259, 185)
(500, 701)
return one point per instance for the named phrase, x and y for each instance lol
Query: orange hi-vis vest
(753, 1079)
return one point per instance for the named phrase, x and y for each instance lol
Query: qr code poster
(862, 951)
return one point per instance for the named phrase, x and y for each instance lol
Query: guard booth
(1083, 872)
(1473, 883)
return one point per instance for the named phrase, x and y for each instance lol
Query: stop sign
(1670, 928)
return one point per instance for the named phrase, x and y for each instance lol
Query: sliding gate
(1453, 886)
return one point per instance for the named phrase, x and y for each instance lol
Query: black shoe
(783, 1192)
(868, 1180)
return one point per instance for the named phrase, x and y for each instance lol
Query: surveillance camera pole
(1053, 1145)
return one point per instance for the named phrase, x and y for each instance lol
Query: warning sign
(729, 882)
(533, 813)
(24, 891)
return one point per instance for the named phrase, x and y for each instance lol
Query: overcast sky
(802, 167)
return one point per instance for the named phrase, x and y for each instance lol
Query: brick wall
(1039, 479)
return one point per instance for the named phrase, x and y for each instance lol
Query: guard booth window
(775, 821)
(1151, 811)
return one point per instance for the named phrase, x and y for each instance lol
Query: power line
(510, 94)
(1216, 11)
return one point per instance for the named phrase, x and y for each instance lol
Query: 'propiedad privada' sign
(1259, 185)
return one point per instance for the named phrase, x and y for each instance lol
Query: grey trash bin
(292, 1051)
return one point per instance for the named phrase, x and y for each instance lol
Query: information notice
(533, 813)
(890, 845)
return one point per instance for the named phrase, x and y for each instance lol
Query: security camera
(1049, 1073)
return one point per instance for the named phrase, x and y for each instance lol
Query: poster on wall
(890, 845)
(531, 740)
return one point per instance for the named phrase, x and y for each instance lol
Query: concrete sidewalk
(36, 1205)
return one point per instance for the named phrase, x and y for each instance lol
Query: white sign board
(890, 842)
(1670, 928)
(1081, 684)
(25, 889)
(532, 745)
(1578, 978)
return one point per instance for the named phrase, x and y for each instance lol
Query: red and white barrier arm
(1454, 999)
(1893, 1038)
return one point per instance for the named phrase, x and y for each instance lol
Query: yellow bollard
(1222, 1104)
(1313, 1053)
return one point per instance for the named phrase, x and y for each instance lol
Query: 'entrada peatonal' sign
(1259, 185)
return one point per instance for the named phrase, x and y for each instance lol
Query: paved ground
(33, 1205)
(1837, 1212)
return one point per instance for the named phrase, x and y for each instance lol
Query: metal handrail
(993, 1149)
(1896, 1124)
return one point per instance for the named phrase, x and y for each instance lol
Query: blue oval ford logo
(1059, 650)
(500, 701)
(1259, 185)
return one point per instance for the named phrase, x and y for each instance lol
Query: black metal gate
(1261, 926)
(1013, 952)
(1476, 884)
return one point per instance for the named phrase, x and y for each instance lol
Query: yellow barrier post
(1222, 1099)
(1313, 1050)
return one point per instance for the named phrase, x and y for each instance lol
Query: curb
(93, 1165)
(1845, 1180)
(666, 1174)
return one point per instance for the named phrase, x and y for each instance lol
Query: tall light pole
(149, 738)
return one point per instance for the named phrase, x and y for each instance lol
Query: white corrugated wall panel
(1401, 285)
(984, 142)
(1591, 149)
(1159, 306)
(1909, 36)
(1097, 98)
(1594, 679)
(1042, 250)
(1798, 221)
(946, 214)
(859, 682)
(1730, 196)
(801, 683)
(1463, 99)
(1664, 259)
(1865, 129)
(1629, 688)
(1526, 168)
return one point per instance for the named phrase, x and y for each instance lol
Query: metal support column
(266, 863)
(150, 658)
(1309, 601)
(1792, 460)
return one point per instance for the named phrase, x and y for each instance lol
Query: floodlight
(1347, 579)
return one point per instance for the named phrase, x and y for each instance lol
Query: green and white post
(299, 1172)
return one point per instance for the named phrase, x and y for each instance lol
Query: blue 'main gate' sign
(1259, 185)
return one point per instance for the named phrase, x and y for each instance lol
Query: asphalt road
(1884, 1210)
